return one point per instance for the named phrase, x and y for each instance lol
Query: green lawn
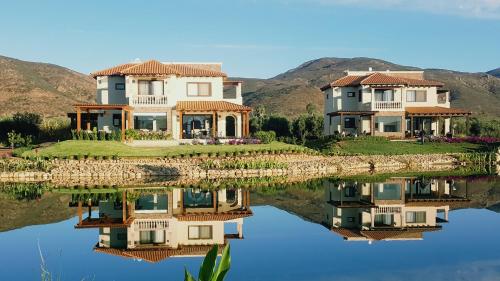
(112, 148)
(386, 147)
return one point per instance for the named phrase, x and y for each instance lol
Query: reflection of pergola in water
(126, 111)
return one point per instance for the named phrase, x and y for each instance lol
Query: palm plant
(209, 270)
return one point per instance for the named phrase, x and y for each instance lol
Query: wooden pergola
(192, 107)
(413, 112)
(124, 108)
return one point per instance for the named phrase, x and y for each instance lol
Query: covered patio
(212, 119)
(427, 119)
(126, 115)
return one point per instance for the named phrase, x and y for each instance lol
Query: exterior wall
(106, 90)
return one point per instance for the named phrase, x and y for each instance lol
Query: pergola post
(372, 125)
(80, 212)
(129, 119)
(214, 201)
(411, 126)
(341, 123)
(124, 206)
(78, 119)
(243, 126)
(123, 125)
(248, 124)
(88, 119)
(180, 124)
(214, 124)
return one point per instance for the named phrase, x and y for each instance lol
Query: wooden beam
(78, 119)
(411, 126)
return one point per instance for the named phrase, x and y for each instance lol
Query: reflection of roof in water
(215, 217)
(158, 254)
(392, 234)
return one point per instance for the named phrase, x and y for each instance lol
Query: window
(350, 219)
(349, 123)
(360, 96)
(200, 232)
(350, 191)
(150, 87)
(117, 120)
(415, 217)
(351, 94)
(384, 95)
(388, 123)
(120, 86)
(150, 122)
(199, 89)
(442, 97)
(152, 237)
(327, 96)
(416, 96)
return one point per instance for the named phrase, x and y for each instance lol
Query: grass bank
(380, 146)
(110, 148)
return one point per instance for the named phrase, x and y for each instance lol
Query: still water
(411, 228)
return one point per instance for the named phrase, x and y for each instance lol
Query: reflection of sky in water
(277, 246)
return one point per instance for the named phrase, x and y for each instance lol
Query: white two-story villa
(387, 103)
(188, 100)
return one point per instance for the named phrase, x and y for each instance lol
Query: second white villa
(187, 100)
(394, 104)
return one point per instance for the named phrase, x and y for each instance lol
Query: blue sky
(256, 38)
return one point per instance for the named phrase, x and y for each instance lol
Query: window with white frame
(384, 95)
(199, 89)
(416, 96)
(415, 217)
(150, 87)
(199, 232)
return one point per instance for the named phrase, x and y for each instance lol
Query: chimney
(370, 69)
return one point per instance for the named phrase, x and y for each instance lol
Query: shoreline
(294, 165)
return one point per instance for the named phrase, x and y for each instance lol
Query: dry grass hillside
(289, 92)
(40, 87)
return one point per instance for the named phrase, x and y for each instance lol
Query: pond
(372, 228)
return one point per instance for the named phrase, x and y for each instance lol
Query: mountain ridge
(51, 90)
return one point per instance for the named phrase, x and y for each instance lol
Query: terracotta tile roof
(210, 106)
(151, 67)
(382, 79)
(347, 232)
(154, 67)
(392, 234)
(214, 217)
(115, 70)
(379, 78)
(158, 254)
(435, 111)
(350, 80)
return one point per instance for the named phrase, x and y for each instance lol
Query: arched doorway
(230, 126)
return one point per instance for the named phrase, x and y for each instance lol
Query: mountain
(494, 72)
(51, 90)
(289, 92)
(41, 87)
(50, 208)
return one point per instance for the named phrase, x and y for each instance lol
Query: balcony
(149, 100)
(387, 105)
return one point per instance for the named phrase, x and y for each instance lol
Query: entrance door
(230, 126)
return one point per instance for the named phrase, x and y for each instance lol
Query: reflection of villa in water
(398, 209)
(156, 224)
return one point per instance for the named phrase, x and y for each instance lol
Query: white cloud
(483, 9)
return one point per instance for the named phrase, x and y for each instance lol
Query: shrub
(266, 136)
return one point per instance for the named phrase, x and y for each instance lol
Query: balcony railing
(152, 224)
(149, 100)
(388, 105)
